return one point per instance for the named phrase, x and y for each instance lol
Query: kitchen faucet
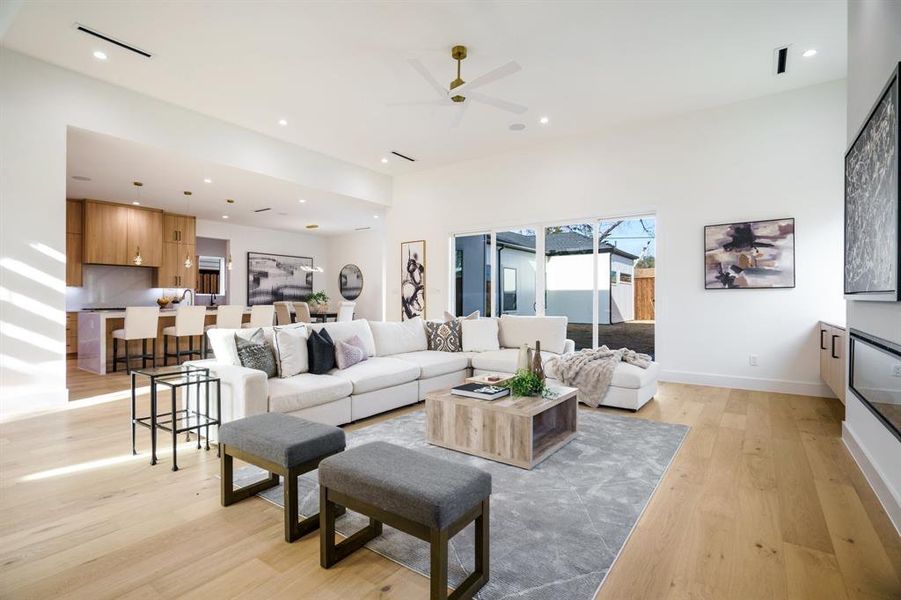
(185, 293)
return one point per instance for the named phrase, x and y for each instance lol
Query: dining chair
(302, 312)
(261, 316)
(189, 321)
(282, 313)
(141, 323)
(346, 311)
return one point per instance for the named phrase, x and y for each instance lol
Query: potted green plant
(526, 383)
(318, 301)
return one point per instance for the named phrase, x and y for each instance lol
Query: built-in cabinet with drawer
(71, 333)
(74, 242)
(832, 357)
(114, 233)
(179, 235)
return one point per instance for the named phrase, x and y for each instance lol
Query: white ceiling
(113, 164)
(332, 68)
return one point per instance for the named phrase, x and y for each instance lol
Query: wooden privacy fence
(644, 294)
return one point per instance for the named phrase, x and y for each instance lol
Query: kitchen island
(95, 331)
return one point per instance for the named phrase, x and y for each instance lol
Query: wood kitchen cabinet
(832, 357)
(179, 228)
(172, 271)
(74, 242)
(145, 231)
(105, 233)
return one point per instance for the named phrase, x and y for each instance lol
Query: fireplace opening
(874, 376)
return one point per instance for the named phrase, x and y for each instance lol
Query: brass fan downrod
(458, 53)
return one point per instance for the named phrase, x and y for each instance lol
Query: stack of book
(480, 391)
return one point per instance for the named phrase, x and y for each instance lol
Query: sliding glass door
(472, 274)
(569, 282)
(516, 268)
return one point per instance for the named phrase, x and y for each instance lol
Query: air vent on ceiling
(781, 60)
(262, 210)
(112, 40)
(398, 154)
(362, 228)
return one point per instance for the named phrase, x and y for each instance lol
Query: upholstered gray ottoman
(283, 445)
(430, 498)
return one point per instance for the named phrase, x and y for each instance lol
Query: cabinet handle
(833, 346)
(822, 341)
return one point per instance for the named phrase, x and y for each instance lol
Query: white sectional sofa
(399, 370)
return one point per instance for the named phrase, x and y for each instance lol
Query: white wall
(38, 102)
(778, 156)
(253, 239)
(874, 49)
(366, 249)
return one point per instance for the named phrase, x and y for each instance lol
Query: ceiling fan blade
(459, 116)
(424, 73)
(504, 70)
(497, 102)
(444, 102)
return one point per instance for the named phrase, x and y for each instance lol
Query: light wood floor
(762, 501)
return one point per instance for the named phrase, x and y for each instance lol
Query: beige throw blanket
(591, 371)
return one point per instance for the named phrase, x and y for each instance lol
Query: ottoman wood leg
(329, 552)
(296, 528)
(438, 564)
(479, 577)
(229, 495)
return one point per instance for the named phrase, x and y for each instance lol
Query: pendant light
(188, 262)
(138, 260)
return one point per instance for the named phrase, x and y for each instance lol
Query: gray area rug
(555, 530)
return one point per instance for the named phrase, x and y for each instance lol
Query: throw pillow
(291, 353)
(449, 317)
(255, 353)
(321, 351)
(444, 337)
(350, 352)
(480, 335)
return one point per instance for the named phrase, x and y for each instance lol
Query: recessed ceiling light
(809, 53)
(224, 216)
(312, 226)
(517, 126)
(283, 122)
(544, 120)
(207, 180)
(81, 178)
(375, 216)
(384, 161)
(301, 200)
(136, 203)
(100, 55)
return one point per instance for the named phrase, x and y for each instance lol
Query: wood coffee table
(517, 430)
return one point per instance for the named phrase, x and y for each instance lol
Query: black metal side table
(186, 420)
(150, 421)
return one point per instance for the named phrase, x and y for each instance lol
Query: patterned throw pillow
(350, 352)
(255, 353)
(321, 351)
(446, 337)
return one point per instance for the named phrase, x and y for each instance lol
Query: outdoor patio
(635, 335)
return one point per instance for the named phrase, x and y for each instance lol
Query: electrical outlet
(752, 360)
(896, 370)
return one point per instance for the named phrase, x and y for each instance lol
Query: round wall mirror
(350, 282)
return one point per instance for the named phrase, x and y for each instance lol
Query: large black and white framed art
(278, 277)
(412, 280)
(872, 216)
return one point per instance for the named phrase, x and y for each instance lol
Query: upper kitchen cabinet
(74, 242)
(145, 231)
(105, 233)
(179, 228)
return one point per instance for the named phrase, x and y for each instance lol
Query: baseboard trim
(782, 386)
(873, 475)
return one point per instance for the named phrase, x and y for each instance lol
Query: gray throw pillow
(446, 337)
(255, 353)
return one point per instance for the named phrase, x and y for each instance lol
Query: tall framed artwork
(412, 279)
(750, 255)
(277, 277)
(872, 215)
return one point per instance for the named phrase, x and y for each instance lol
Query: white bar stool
(282, 313)
(260, 316)
(346, 311)
(302, 312)
(141, 323)
(189, 322)
(228, 316)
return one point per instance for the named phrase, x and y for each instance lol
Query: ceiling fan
(461, 93)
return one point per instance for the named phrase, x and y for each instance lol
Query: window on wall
(509, 282)
(472, 274)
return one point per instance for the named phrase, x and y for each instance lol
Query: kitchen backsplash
(113, 287)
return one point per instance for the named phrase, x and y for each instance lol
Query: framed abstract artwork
(350, 282)
(750, 255)
(276, 277)
(872, 215)
(412, 279)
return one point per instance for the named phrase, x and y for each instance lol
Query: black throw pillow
(322, 352)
